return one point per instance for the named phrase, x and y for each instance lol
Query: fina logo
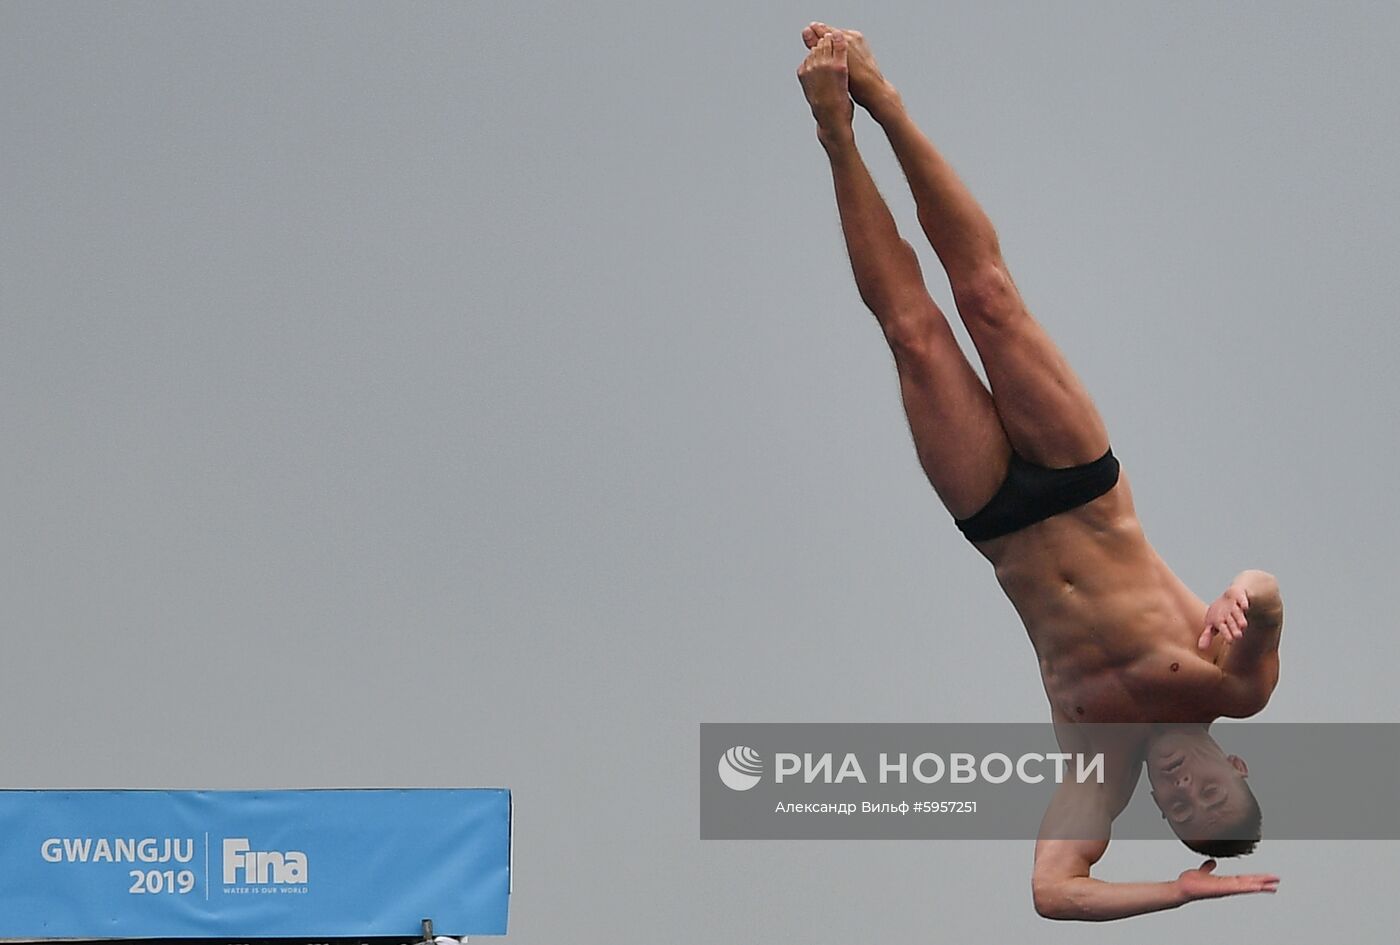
(260, 867)
(740, 768)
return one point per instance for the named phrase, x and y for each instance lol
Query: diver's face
(1199, 789)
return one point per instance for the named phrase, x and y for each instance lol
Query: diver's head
(1202, 793)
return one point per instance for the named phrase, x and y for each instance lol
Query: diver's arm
(1063, 888)
(1074, 836)
(1249, 614)
(1093, 900)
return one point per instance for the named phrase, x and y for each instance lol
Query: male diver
(1026, 471)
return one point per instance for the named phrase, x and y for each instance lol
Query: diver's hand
(1226, 615)
(1204, 884)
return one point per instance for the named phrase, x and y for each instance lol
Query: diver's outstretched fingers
(1202, 884)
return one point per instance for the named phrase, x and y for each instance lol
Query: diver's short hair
(1239, 839)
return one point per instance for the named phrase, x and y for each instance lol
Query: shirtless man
(1026, 472)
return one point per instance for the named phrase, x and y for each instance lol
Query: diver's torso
(1114, 629)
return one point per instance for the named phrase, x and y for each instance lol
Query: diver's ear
(1239, 765)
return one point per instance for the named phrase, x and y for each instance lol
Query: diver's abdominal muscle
(1097, 601)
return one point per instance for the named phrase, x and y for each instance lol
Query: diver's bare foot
(869, 87)
(824, 76)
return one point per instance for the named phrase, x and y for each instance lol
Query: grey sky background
(477, 394)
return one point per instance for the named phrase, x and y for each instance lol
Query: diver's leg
(957, 434)
(1044, 408)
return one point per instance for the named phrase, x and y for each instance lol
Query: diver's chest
(1164, 685)
(1095, 697)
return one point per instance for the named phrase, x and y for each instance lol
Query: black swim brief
(1032, 493)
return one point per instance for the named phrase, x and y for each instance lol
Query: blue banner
(254, 864)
